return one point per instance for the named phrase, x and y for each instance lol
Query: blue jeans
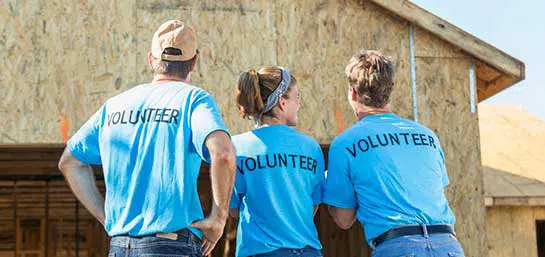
(434, 245)
(304, 252)
(186, 245)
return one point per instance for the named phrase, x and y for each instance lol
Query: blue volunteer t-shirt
(150, 142)
(280, 174)
(392, 170)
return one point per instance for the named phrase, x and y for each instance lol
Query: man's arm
(222, 172)
(222, 176)
(339, 191)
(81, 180)
(343, 217)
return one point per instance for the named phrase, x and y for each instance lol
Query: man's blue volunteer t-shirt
(392, 170)
(150, 141)
(280, 174)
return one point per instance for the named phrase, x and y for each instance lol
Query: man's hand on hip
(212, 229)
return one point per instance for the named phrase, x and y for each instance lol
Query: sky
(515, 26)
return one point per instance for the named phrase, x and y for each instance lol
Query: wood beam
(455, 36)
(515, 201)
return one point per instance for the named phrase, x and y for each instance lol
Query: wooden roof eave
(510, 69)
(495, 201)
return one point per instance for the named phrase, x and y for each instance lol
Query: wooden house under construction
(61, 60)
(512, 143)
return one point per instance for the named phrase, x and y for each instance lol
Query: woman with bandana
(280, 171)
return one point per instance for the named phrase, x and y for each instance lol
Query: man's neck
(164, 78)
(363, 111)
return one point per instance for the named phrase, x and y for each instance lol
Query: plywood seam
(413, 72)
(472, 87)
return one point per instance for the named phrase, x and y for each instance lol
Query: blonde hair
(253, 89)
(372, 75)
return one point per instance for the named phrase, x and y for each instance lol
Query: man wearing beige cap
(150, 141)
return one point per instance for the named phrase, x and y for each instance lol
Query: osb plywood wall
(512, 230)
(443, 89)
(61, 60)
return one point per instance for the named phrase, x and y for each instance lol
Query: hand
(212, 229)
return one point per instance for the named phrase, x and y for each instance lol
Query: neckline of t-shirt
(273, 126)
(167, 83)
(379, 116)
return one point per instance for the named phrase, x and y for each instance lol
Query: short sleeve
(84, 145)
(338, 189)
(239, 190)
(318, 193)
(205, 119)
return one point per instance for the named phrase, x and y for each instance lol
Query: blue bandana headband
(280, 90)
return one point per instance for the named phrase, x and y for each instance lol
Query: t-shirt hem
(338, 204)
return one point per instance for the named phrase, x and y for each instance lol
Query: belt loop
(425, 230)
(190, 237)
(453, 231)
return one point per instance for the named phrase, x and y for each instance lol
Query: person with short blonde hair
(371, 74)
(388, 172)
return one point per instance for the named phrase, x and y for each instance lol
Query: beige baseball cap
(174, 34)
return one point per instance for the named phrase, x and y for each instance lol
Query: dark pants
(187, 245)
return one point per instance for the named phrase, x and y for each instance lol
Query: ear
(150, 60)
(282, 104)
(352, 93)
(195, 61)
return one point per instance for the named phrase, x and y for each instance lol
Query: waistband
(128, 241)
(413, 230)
(289, 251)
